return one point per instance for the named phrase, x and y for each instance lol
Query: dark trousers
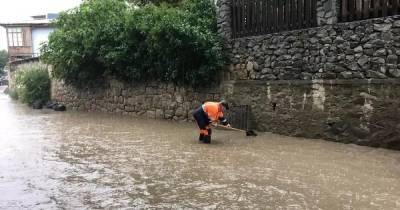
(202, 121)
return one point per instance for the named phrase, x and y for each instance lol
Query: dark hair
(225, 104)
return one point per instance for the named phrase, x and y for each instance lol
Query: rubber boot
(201, 137)
(207, 139)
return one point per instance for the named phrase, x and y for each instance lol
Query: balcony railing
(23, 56)
(258, 17)
(352, 10)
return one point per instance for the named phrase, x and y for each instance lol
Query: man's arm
(224, 121)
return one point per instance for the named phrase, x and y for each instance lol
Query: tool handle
(230, 128)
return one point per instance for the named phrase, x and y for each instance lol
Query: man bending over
(210, 112)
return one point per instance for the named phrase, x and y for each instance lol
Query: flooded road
(72, 160)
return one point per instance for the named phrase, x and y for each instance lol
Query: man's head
(224, 104)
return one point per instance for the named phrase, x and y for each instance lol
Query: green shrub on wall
(201, 14)
(13, 94)
(32, 82)
(75, 47)
(152, 43)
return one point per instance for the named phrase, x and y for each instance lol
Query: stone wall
(153, 100)
(223, 19)
(327, 12)
(364, 112)
(338, 82)
(356, 50)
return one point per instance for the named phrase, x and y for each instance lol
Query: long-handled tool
(248, 132)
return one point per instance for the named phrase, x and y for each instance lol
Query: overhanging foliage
(104, 38)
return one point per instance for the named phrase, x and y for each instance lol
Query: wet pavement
(75, 160)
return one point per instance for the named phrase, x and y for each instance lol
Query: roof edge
(25, 24)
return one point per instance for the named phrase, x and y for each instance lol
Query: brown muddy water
(73, 160)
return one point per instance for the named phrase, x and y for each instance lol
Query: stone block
(268, 77)
(179, 98)
(378, 60)
(345, 75)
(377, 43)
(168, 114)
(382, 27)
(394, 73)
(375, 74)
(151, 114)
(380, 53)
(159, 114)
(396, 24)
(249, 66)
(369, 52)
(358, 49)
(363, 61)
(392, 59)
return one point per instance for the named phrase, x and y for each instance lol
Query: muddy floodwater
(75, 160)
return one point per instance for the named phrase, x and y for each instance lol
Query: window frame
(15, 37)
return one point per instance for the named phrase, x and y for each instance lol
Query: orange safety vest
(213, 110)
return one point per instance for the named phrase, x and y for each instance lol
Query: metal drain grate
(238, 116)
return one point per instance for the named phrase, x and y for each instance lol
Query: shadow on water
(75, 160)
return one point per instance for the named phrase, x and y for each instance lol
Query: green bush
(13, 94)
(32, 82)
(3, 61)
(82, 33)
(201, 14)
(106, 38)
(164, 45)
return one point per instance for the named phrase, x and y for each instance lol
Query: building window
(14, 37)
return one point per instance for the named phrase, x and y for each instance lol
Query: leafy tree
(3, 61)
(107, 38)
(162, 43)
(74, 49)
(201, 13)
